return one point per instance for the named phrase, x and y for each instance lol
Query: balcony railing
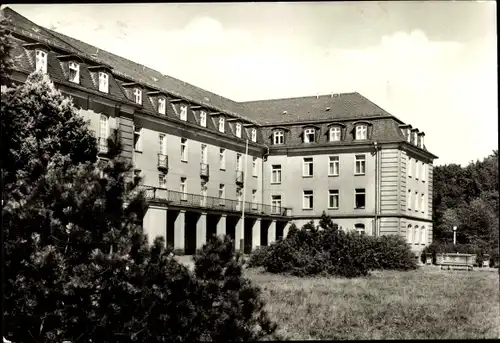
(162, 162)
(239, 177)
(200, 201)
(102, 145)
(204, 170)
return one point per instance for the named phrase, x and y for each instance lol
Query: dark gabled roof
(266, 112)
(313, 108)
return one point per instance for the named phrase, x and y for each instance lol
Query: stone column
(179, 228)
(271, 233)
(238, 234)
(256, 233)
(155, 223)
(286, 229)
(221, 225)
(201, 230)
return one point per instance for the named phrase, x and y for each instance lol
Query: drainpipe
(264, 158)
(375, 226)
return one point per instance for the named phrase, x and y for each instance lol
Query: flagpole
(242, 241)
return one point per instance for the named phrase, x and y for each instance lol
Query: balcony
(199, 201)
(102, 146)
(162, 162)
(204, 170)
(239, 177)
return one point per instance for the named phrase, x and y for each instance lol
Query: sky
(431, 64)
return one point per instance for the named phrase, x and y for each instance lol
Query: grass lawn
(424, 304)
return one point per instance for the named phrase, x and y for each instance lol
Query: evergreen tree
(77, 266)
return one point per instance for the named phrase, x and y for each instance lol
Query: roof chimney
(317, 95)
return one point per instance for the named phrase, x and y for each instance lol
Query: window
(333, 198)
(204, 155)
(222, 159)
(221, 124)
(408, 199)
(74, 72)
(221, 193)
(335, 134)
(254, 166)
(409, 234)
(103, 127)
(239, 197)
(416, 237)
(333, 166)
(308, 201)
(254, 135)
(276, 173)
(254, 199)
(137, 139)
(103, 82)
(416, 169)
(203, 193)
(360, 228)
(183, 188)
(238, 162)
(410, 166)
(422, 202)
(138, 96)
(163, 143)
(416, 201)
(278, 137)
(309, 135)
(162, 105)
(361, 132)
(360, 165)
(238, 130)
(162, 180)
(360, 198)
(203, 118)
(424, 171)
(415, 138)
(184, 150)
(423, 236)
(276, 203)
(41, 61)
(408, 134)
(308, 169)
(183, 114)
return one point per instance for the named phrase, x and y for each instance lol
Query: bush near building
(327, 250)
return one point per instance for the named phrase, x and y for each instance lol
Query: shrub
(258, 257)
(331, 251)
(230, 307)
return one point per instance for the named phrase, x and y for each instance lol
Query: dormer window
(254, 135)
(203, 118)
(183, 114)
(238, 130)
(74, 72)
(408, 134)
(138, 96)
(103, 82)
(221, 124)
(278, 137)
(335, 134)
(162, 105)
(361, 131)
(309, 135)
(41, 61)
(415, 138)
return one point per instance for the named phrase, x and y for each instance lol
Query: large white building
(338, 153)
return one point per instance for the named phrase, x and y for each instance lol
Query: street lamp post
(454, 235)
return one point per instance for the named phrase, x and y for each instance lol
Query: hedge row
(327, 250)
